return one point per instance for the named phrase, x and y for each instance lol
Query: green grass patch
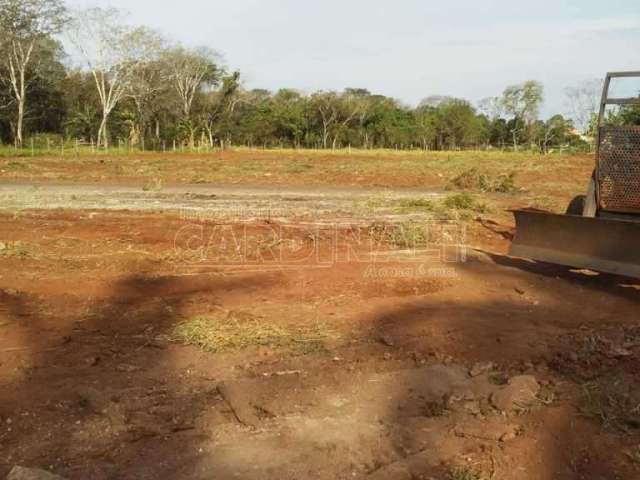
(460, 201)
(153, 184)
(408, 235)
(633, 455)
(413, 234)
(199, 178)
(251, 166)
(464, 201)
(298, 168)
(476, 179)
(455, 206)
(419, 203)
(221, 333)
(16, 165)
(545, 203)
(464, 473)
(498, 378)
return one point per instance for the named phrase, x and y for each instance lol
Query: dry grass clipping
(223, 333)
(613, 402)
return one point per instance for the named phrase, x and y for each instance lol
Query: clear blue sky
(408, 49)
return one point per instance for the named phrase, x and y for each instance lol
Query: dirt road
(217, 200)
(116, 360)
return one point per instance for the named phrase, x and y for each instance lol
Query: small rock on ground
(483, 430)
(520, 392)
(240, 402)
(480, 368)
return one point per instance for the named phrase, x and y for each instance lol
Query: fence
(48, 146)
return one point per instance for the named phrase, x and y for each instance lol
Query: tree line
(129, 85)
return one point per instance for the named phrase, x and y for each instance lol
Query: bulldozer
(600, 230)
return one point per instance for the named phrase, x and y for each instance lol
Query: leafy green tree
(389, 124)
(556, 131)
(254, 117)
(498, 132)
(458, 126)
(82, 106)
(522, 103)
(46, 110)
(630, 114)
(219, 105)
(326, 107)
(147, 79)
(426, 126)
(290, 110)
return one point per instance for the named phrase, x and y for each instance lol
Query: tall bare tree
(522, 102)
(350, 107)
(147, 75)
(111, 51)
(584, 102)
(326, 104)
(190, 70)
(25, 26)
(491, 107)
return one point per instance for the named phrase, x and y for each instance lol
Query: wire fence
(55, 146)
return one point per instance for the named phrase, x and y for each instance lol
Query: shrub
(474, 179)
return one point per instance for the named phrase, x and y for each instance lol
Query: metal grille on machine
(619, 169)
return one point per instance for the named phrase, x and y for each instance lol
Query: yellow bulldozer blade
(600, 244)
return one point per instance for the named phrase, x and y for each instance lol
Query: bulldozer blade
(599, 244)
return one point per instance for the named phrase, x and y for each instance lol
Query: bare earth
(492, 367)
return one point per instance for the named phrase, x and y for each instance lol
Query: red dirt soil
(92, 386)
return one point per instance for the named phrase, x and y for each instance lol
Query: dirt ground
(354, 356)
(540, 176)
